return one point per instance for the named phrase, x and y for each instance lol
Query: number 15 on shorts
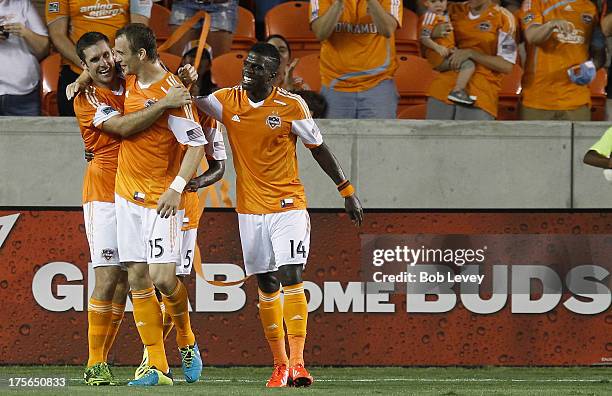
(298, 249)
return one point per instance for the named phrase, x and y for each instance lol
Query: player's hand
(288, 82)
(89, 156)
(177, 96)
(562, 26)
(18, 29)
(193, 185)
(458, 57)
(74, 88)
(443, 51)
(188, 75)
(441, 30)
(352, 206)
(168, 203)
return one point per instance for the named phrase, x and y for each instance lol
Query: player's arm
(214, 173)
(215, 156)
(385, 23)
(537, 34)
(330, 165)
(58, 32)
(323, 26)
(593, 158)
(599, 154)
(128, 125)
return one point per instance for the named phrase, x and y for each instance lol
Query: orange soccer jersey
(546, 84)
(263, 139)
(88, 16)
(150, 160)
(428, 22)
(492, 33)
(355, 58)
(92, 109)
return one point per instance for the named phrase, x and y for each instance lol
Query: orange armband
(346, 189)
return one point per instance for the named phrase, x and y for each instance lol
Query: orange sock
(99, 317)
(177, 305)
(271, 315)
(295, 313)
(168, 323)
(148, 318)
(113, 327)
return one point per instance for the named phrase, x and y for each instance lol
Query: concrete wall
(393, 164)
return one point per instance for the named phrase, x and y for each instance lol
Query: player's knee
(290, 274)
(268, 283)
(165, 282)
(122, 288)
(138, 276)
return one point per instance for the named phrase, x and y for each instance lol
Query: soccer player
(152, 173)
(263, 123)
(599, 154)
(99, 115)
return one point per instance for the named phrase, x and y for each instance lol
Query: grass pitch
(341, 381)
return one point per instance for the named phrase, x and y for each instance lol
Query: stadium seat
(414, 112)
(244, 36)
(510, 95)
(598, 96)
(172, 62)
(49, 70)
(227, 69)
(159, 22)
(308, 69)
(406, 38)
(291, 20)
(413, 77)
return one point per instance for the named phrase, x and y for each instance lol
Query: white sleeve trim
(308, 131)
(215, 147)
(104, 113)
(186, 131)
(211, 106)
(506, 47)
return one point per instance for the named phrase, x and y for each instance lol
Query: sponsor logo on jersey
(273, 121)
(108, 254)
(103, 9)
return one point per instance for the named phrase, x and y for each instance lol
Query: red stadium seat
(50, 69)
(172, 62)
(292, 21)
(413, 77)
(244, 36)
(598, 96)
(510, 95)
(406, 37)
(414, 112)
(159, 22)
(308, 69)
(226, 69)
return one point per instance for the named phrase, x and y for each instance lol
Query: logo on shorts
(273, 121)
(54, 6)
(108, 254)
(195, 133)
(484, 26)
(587, 19)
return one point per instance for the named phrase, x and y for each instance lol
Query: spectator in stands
(23, 43)
(559, 63)
(284, 77)
(316, 103)
(357, 55)
(68, 20)
(224, 18)
(485, 33)
(204, 85)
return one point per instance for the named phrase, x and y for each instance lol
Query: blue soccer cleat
(153, 377)
(192, 362)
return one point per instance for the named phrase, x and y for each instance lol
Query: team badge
(108, 254)
(53, 6)
(484, 26)
(273, 121)
(587, 19)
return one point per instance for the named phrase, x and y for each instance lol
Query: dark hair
(267, 50)
(140, 36)
(284, 40)
(87, 40)
(316, 103)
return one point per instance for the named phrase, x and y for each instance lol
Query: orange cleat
(299, 376)
(279, 377)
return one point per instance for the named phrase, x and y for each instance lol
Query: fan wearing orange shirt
(99, 115)
(68, 20)
(357, 59)
(263, 124)
(152, 172)
(484, 33)
(558, 67)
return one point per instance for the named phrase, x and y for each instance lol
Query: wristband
(178, 184)
(346, 189)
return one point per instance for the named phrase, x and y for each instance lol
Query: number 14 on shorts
(298, 249)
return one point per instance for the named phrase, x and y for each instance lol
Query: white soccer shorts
(101, 230)
(188, 244)
(145, 237)
(270, 241)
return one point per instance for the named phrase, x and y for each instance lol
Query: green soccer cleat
(153, 377)
(144, 365)
(99, 375)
